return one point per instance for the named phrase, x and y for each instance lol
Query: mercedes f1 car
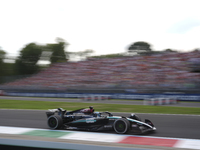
(89, 120)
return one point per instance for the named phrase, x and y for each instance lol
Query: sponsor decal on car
(90, 120)
(108, 126)
(134, 125)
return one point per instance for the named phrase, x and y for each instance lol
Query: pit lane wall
(179, 97)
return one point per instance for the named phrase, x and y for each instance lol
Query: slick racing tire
(121, 126)
(55, 122)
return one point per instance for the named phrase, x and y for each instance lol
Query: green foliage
(140, 47)
(2, 64)
(9, 69)
(27, 61)
(169, 50)
(2, 55)
(58, 54)
(58, 51)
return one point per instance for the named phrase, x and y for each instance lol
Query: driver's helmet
(97, 114)
(134, 116)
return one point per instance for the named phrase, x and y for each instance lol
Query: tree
(27, 61)
(169, 50)
(2, 64)
(139, 48)
(2, 55)
(196, 50)
(58, 51)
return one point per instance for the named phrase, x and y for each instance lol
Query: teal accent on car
(133, 120)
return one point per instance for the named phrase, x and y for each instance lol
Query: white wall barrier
(95, 97)
(160, 101)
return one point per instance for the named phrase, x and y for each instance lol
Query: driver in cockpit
(97, 114)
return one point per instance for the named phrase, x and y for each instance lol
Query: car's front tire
(121, 126)
(55, 122)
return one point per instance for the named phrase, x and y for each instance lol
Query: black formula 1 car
(89, 120)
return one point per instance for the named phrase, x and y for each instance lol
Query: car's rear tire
(55, 122)
(121, 126)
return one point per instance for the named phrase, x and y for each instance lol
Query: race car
(89, 120)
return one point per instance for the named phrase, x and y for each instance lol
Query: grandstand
(170, 70)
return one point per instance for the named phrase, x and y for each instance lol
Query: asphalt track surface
(173, 126)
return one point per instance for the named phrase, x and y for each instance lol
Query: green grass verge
(44, 105)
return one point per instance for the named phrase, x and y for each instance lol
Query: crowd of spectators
(166, 70)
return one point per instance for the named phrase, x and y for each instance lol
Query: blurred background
(138, 70)
(100, 46)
